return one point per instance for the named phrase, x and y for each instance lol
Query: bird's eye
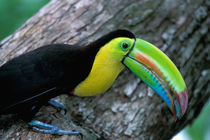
(124, 46)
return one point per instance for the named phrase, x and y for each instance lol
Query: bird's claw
(56, 104)
(50, 129)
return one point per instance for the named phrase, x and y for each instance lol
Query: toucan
(30, 80)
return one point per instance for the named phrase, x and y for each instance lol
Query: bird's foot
(50, 129)
(56, 104)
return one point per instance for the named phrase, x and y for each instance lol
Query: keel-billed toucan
(30, 80)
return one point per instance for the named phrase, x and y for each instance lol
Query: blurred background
(13, 13)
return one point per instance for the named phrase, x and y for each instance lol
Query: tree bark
(130, 109)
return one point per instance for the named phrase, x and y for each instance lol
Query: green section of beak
(153, 67)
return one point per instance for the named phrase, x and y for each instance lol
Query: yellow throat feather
(104, 71)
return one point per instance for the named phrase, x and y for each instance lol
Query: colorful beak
(153, 67)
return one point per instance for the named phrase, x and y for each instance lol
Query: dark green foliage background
(13, 13)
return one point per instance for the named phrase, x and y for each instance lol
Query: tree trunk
(130, 109)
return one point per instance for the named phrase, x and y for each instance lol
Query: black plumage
(54, 68)
(30, 80)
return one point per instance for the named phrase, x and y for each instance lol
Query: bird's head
(121, 49)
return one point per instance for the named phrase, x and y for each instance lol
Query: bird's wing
(39, 75)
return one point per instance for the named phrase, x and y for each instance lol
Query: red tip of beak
(183, 100)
